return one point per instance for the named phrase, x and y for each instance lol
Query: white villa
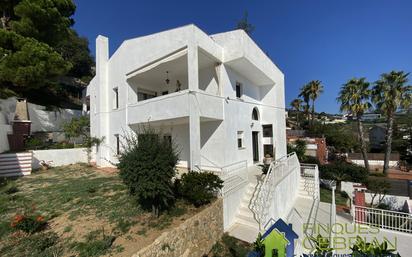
(219, 97)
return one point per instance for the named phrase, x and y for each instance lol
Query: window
(255, 114)
(240, 139)
(145, 94)
(116, 98)
(267, 130)
(238, 90)
(117, 144)
(168, 138)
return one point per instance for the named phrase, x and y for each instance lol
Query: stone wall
(193, 238)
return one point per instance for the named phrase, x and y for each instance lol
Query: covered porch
(195, 152)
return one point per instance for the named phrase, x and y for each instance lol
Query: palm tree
(315, 89)
(296, 105)
(391, 93)
(354, 98)
(305, 94)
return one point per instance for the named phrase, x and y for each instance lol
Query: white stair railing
(278, 191)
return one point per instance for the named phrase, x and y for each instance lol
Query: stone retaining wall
(193, 238)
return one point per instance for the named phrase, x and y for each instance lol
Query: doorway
(255, 145)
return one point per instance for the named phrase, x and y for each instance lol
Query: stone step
(244, 232)
(248, 221)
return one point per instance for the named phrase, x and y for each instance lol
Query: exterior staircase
(246, 226)
(307, 188)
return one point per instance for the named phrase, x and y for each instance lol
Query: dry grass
(89, 213)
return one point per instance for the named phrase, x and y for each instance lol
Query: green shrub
(34, 143)
(348, 171)
(200, 188)
(37, 245)
(264, 167)
(147, 166)
(29, 223)
(363, 248)
(344, 194)
(310, 160)
(97, 243)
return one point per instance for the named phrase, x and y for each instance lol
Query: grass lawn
(89, 213)
(326, 196)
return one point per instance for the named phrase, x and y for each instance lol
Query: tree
(76, 51)
(38, 47)
(245, 25)
(354, 98)
(27, 63)
(299, 148)
(305, 94)
(296, 104)
(315, 88)
(379, 188)
(80, 127)
(147, 166)
(389, 94)
(46, 21)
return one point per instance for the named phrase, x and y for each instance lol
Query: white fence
(278, 192)
(59, 157)
(391, 220)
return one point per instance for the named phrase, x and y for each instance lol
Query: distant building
(370, 116)
(315, 146)
(377, 136)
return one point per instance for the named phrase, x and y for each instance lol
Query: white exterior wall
(204, 120)
(59, 157)
(4, 142)
(374, 163)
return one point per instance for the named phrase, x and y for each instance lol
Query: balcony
(175, 106)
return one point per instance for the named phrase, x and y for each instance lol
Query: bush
(147, 166)
(310, 160)
(200, 188)
(37, 245)
(264, 167)
(349, 171)
(28, 223)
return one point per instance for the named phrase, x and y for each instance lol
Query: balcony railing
(175, 105)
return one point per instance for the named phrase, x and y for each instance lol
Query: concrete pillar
(194, 119)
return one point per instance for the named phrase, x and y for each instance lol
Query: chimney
(102, 52)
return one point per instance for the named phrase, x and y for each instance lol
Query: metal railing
(311, 172)
(233, 175)
(385, 219)
(278, 191)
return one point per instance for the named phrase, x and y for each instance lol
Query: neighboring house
(371, 116)
(219, 97)
(315, 146)
(377, 136)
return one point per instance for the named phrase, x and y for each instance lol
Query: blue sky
(328, 40)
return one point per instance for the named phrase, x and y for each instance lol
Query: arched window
(255, 114)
